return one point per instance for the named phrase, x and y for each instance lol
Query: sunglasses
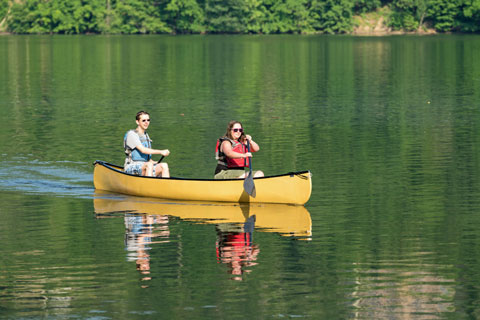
(146, 120)
(237, 130)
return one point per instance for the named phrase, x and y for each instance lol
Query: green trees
(4, 9)
(362, 6)
(183, 16)
(470, 16)
(408, 14)
(135, 16)
(60, 16)
(230, 16)
(333, 16)
(287, 16)
(225, 16)
(442, 14)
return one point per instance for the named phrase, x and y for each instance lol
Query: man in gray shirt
(138, 150)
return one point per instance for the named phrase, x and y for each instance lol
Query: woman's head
(235, 131)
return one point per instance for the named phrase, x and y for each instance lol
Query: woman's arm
(254, 147)
(227, 149)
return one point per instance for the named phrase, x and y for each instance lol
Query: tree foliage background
(230, 16)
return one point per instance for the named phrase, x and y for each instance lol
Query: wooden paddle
(248, 184)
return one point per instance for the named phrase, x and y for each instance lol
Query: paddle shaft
(250, 158)
(248, 184)
(160, 159)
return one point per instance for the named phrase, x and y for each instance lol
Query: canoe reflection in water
(146, 222)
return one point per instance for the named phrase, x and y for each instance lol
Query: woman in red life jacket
(232, 154)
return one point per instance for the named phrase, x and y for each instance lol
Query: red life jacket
(240, 244)
(229, 162)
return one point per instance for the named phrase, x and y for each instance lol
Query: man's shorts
(135, 168)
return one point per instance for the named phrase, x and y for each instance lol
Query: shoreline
(371, 24)
(360, 32)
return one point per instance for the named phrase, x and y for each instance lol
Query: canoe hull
(292, 188)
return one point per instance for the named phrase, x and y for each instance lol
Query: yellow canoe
(287, 220)
(291, 188)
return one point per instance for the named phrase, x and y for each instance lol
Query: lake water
(388, 126)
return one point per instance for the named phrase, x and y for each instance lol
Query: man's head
(143, 119)
(140, 113)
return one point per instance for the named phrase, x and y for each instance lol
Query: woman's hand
(255, 147)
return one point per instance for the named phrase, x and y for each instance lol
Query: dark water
(388, 126)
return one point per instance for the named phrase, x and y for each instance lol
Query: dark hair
(140, 113)
(228, 134)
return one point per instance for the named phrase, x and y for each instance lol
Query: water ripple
(62, 178)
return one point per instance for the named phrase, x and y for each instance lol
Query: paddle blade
(249, 186)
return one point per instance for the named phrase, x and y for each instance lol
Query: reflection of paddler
(140, 229)
(235, 247)
(286, 220)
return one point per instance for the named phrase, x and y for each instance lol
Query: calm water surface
(389, 127)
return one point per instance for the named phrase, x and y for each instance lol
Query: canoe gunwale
(114, 167)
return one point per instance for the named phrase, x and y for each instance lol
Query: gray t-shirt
(133, 139)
